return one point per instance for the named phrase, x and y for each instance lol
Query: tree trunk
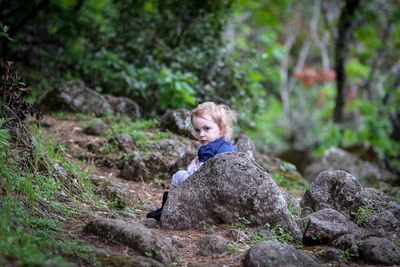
(346, 20)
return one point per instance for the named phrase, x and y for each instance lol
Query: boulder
(124, 106)
(382, 223)
(337, 190)
(135, 236)
(177, 121)
(273, 253)
(366, 172)
(325, 225)
(227, 189)
(380, 251)
(74, 96)
(378, 215)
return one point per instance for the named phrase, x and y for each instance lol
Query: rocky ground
(145, 196)
(239, 209)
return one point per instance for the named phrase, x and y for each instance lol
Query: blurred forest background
(303, 75)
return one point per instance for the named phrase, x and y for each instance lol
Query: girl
(213, 126)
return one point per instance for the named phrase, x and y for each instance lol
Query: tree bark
(346, 20)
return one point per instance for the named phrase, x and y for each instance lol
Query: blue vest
(213, 148)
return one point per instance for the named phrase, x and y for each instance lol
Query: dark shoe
(156, 214)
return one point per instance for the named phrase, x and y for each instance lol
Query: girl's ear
(221, 132)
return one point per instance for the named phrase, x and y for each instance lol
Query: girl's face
(206, 129)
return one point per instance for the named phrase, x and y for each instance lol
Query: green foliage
(158, 180)
(176, 89)
(4, 139)
(285, 180)
(244, 221)
(30, 236)
(363, 213)
(357, 71)
(143, 132)
(257, 238)
(346, 255)
(233, 248)
(206, 226)
(281, 235)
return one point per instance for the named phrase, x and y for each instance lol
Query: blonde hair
(221, 114)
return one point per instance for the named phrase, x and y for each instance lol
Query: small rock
(329, 254)
(212, 244)
(151, 223)
(96, 129)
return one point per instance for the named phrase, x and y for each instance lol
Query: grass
(233, 248)
(281, 235)
(143, 132)
(284, 180)
(346, 255)
(257, 238)
(137, 130)
(30, 197)
(363, 213)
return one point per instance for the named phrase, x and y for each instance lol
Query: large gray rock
(273, 253)
(124, 105)
(338, 190)
(382, 223)
(74, 96)
(135, 236)
(366, 172)
(380, 251)
(177, 121)
(378, 215)
(227, 189)
(324, 226)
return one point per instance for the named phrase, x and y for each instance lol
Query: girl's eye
(197, 130)
(206, 128)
